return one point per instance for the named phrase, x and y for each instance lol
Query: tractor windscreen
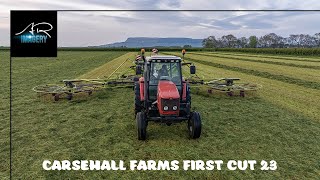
(165, 70)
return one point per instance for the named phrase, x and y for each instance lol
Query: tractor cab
(163, 69)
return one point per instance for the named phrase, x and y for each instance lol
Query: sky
(89, 28)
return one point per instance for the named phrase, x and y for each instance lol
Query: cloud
(221, 25)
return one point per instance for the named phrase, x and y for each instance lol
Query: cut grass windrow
(281, 57)
(308, 84)
(259, 61)
(304, 74)
(108, 68)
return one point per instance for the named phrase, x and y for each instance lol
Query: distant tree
(229, 41)
(253, 41)
(219, 43)
(209, 42)
(286, 42)
(242, 42)
(294, 40)
(317, 39)
(270, 40)
(307, 40)
(187, 46)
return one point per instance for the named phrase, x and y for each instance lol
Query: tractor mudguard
(184, 91)
(141, 82)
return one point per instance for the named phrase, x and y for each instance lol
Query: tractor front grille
(170, 103)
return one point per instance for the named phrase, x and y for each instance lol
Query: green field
(281, 122)
(4, 114)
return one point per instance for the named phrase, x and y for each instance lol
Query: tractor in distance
(162, 95)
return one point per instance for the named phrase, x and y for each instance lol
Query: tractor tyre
(194, 125)
(69, 97)
(137, 102)
(141, 125)
(56, 97)
(230, 93)
(242, 94)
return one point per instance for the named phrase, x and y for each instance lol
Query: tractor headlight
(174, 108)
(165, 108)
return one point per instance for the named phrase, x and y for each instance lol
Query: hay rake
(230, 87)
(74, 86)
(68, 88)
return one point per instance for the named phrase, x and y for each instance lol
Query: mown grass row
(309, 84)
(104, 71)
(282, 57)
(288, 51)
(72, 60)
(312, 75)
(110, 69)
(283, 78)
(259, 61)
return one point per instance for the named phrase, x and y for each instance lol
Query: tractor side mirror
(138, 70)
(192, 69)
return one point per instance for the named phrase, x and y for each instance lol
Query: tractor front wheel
(141, 125)
(194, 125)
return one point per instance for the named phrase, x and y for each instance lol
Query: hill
(156, 42)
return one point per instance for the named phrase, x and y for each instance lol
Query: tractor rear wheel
(194, 125)
(137, 102)
(141, 125)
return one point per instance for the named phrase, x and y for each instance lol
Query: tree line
(270, 40)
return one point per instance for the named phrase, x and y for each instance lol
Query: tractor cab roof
(161, 58)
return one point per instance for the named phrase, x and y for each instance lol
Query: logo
(33, 33)
(35, 36)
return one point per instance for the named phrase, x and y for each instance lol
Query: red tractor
(162, 95)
